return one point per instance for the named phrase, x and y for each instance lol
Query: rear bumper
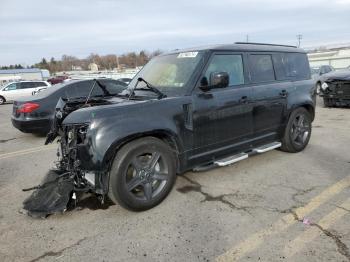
(41, 126)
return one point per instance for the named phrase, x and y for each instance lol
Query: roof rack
(251, 43)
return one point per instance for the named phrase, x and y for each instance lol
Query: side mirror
(216, 80)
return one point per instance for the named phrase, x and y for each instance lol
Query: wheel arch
(3, 98)
(309, 107)
(166, 136)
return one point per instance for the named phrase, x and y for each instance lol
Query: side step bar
(238, 157)
(268, 147)
(231, 159)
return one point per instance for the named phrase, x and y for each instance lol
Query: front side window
(231, 64)
(169, 73)
(261, 68)
(10, 87)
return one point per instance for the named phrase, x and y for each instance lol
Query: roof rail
(251, 43)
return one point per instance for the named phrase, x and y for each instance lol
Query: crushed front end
(337, 91)
(73, 173)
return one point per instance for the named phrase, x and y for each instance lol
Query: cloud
(34, 29)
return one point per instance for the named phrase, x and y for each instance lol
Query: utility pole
(117, 61)
(299, 37)
(247, 38)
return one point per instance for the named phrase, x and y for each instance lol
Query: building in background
(93, 67)
(337, 56)
(9, 75)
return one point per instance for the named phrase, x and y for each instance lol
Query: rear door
(222, 117)
(269, 97)
(27, 88)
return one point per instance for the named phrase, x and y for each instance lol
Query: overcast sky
(30, 30)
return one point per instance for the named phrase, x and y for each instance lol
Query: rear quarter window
(292, 66)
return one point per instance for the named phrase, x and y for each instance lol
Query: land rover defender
(185, 110)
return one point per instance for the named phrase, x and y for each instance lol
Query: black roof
(240, 46)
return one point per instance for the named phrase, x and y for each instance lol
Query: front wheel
(142, 175)
(298, 131)
(2, 100)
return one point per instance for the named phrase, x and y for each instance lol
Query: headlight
(324, 86)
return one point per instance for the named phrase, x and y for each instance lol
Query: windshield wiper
(150, 87)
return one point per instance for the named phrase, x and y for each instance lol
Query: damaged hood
(78, 111)
(88, 114)
(343, 75)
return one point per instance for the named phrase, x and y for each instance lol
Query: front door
(222, 117)
(12, 91)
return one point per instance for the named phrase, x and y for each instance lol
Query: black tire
(2, 100)
(298, 131)
(143, 173)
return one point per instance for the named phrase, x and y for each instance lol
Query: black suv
(190, 109)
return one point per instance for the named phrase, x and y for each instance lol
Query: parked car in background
(335, 89)
(57, 79)
(34, 114)
(125, 80)
(319, 73)
(16, 90)
(192, 109)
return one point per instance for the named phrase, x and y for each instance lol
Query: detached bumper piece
(50, 197)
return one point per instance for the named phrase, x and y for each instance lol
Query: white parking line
(26, 151)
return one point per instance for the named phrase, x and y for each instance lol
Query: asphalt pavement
(271, 207)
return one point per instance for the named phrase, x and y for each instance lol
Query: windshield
(169, 73)
(315, 70)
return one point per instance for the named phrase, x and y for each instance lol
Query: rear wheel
(2, 100)
(298, 131)
(143, 173)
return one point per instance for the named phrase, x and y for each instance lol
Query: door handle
(283, 93)
(243, 100)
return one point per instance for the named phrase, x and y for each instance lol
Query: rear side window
(231, 64)
(113, 86)
(37, 84)
(261, 68)
(25, 85)
(294, 66)
(80, 89)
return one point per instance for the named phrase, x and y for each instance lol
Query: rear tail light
(28, 108)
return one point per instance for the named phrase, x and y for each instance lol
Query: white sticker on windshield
(187, 55)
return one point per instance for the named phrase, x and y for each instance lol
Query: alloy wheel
(146, 175)
(300, 130)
